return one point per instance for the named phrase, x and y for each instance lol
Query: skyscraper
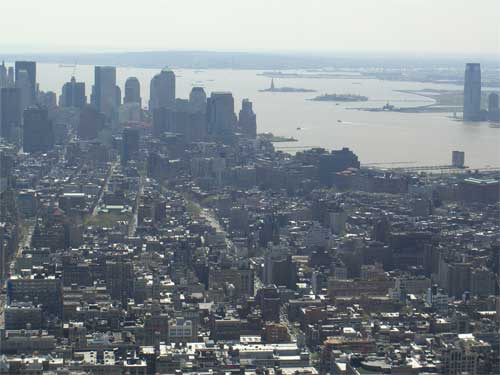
(493, 107)
(472, 92)
(220, 114)
(162, 90)
(24, 85)
(130, 147)
(10, 110)
(30, 68)
(10, 76)
(73, 94)
(47, 99)
(3, 75)
(104, 91)
(132, 91)
(198, 99)
(91, 123)
(38, 133)
(118, 96)
(247, 122)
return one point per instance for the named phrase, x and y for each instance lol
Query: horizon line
(303, 53)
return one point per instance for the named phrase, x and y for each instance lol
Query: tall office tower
(182, 120)
(10, 76)
(493, 107)
(24, 86)
(472, 92)
(104, 91)
(30, 68)
(73, 94)
(220, 114)
(130, 147)
(132, 91)
(3, 75)
(162, 90)
(38, 133)
(247, 122)
(198, 99)
(10, 111)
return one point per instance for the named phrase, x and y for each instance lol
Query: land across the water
(340, 98)
(273, 88)
(317, 75)
(276, 138)
(287, 89)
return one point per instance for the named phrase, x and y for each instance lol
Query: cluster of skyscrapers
(26, 112)
(18, 92)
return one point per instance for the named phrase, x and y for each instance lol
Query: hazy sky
(460, 27)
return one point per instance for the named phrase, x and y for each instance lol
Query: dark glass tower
(38, 133)
(10, 110)
(130, 144)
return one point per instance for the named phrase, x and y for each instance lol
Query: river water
(376, 137)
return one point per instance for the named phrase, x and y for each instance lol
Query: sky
(407, 27)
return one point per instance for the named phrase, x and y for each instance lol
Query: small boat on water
(339, 120)
(299, 128)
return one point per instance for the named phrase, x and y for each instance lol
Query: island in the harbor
(439, 101)
(273, 88)
(340, 98)
(276, 138)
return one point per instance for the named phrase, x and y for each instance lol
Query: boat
(339, 120)
(299, 128)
